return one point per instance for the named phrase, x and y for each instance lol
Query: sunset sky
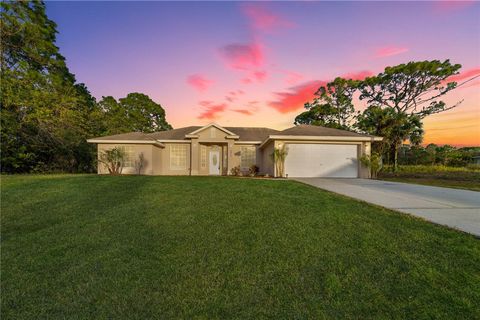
(257, 63)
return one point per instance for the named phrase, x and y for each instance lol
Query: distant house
(313, 151)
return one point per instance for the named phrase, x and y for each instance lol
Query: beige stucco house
(313, 151)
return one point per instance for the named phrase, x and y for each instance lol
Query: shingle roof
(309, 130)
(126, 136)
(244, 133)
(252, 133)
(174, 134)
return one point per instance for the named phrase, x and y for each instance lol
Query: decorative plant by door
(278, 156)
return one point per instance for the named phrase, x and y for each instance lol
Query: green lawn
(99, 247)
(440, 176)
(473, 185)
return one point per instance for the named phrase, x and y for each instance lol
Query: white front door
(214, 162)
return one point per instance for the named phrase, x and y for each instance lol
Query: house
(313, 151)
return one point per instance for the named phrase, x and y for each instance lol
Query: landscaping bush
(253, 170)
(235, 171)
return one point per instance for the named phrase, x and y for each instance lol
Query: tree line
(397, 100)
(46, 115)
(433, 154)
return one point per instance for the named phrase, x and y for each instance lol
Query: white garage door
(322, 160)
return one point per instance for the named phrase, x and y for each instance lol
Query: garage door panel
(322, 160)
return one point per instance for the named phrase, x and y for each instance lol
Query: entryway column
(229, 156)
(194, 152)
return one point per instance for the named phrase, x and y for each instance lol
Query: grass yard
(438, 176)
(436, 182)
(89, 247)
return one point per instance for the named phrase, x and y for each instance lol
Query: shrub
(113, 160)
(235, 171)
(253, 170)
(373, 162)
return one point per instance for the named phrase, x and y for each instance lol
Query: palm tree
(278, 156)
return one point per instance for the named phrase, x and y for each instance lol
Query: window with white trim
(247, 157)
(178, 156)
(203, 157)
(129, 160)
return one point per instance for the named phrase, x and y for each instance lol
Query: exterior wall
(157, 159)
(364, 149)
(165, 168)
(236, 159)
(209, 148)
(145, 149)
(157, 154)
(267, 166)
(212, 134)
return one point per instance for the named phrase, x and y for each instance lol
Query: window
(129, 160)
(178, 157)
(213, 132)
(247, 157)
(203, 157)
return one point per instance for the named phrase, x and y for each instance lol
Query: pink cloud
(246, 80)
(357, 75)
(244, 111)
(259, 75)
(389, 51)
(199, 82)
(211, 110)
(264, 20)
(446, 5)
(295, 98)
(229, 98)
(243, 56)
(465, 75)
(293, 77)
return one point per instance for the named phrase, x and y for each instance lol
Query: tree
(332, 106)
(392, 126)
(45, 115)
(402, 96)
(278, 157)
(135, 112)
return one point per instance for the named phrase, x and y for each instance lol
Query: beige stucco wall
(267, 166)
(211, 134)
(165, 168)
(157, 159)
(145, 149)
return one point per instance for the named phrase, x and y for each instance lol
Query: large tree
(394, 127)
(46, 116)
(135, 112)
(414, 88)
(332, 106)
(405, 94)
(44, 113)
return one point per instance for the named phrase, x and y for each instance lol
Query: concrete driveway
(455, 208)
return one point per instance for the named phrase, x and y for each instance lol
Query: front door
(214, 162)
